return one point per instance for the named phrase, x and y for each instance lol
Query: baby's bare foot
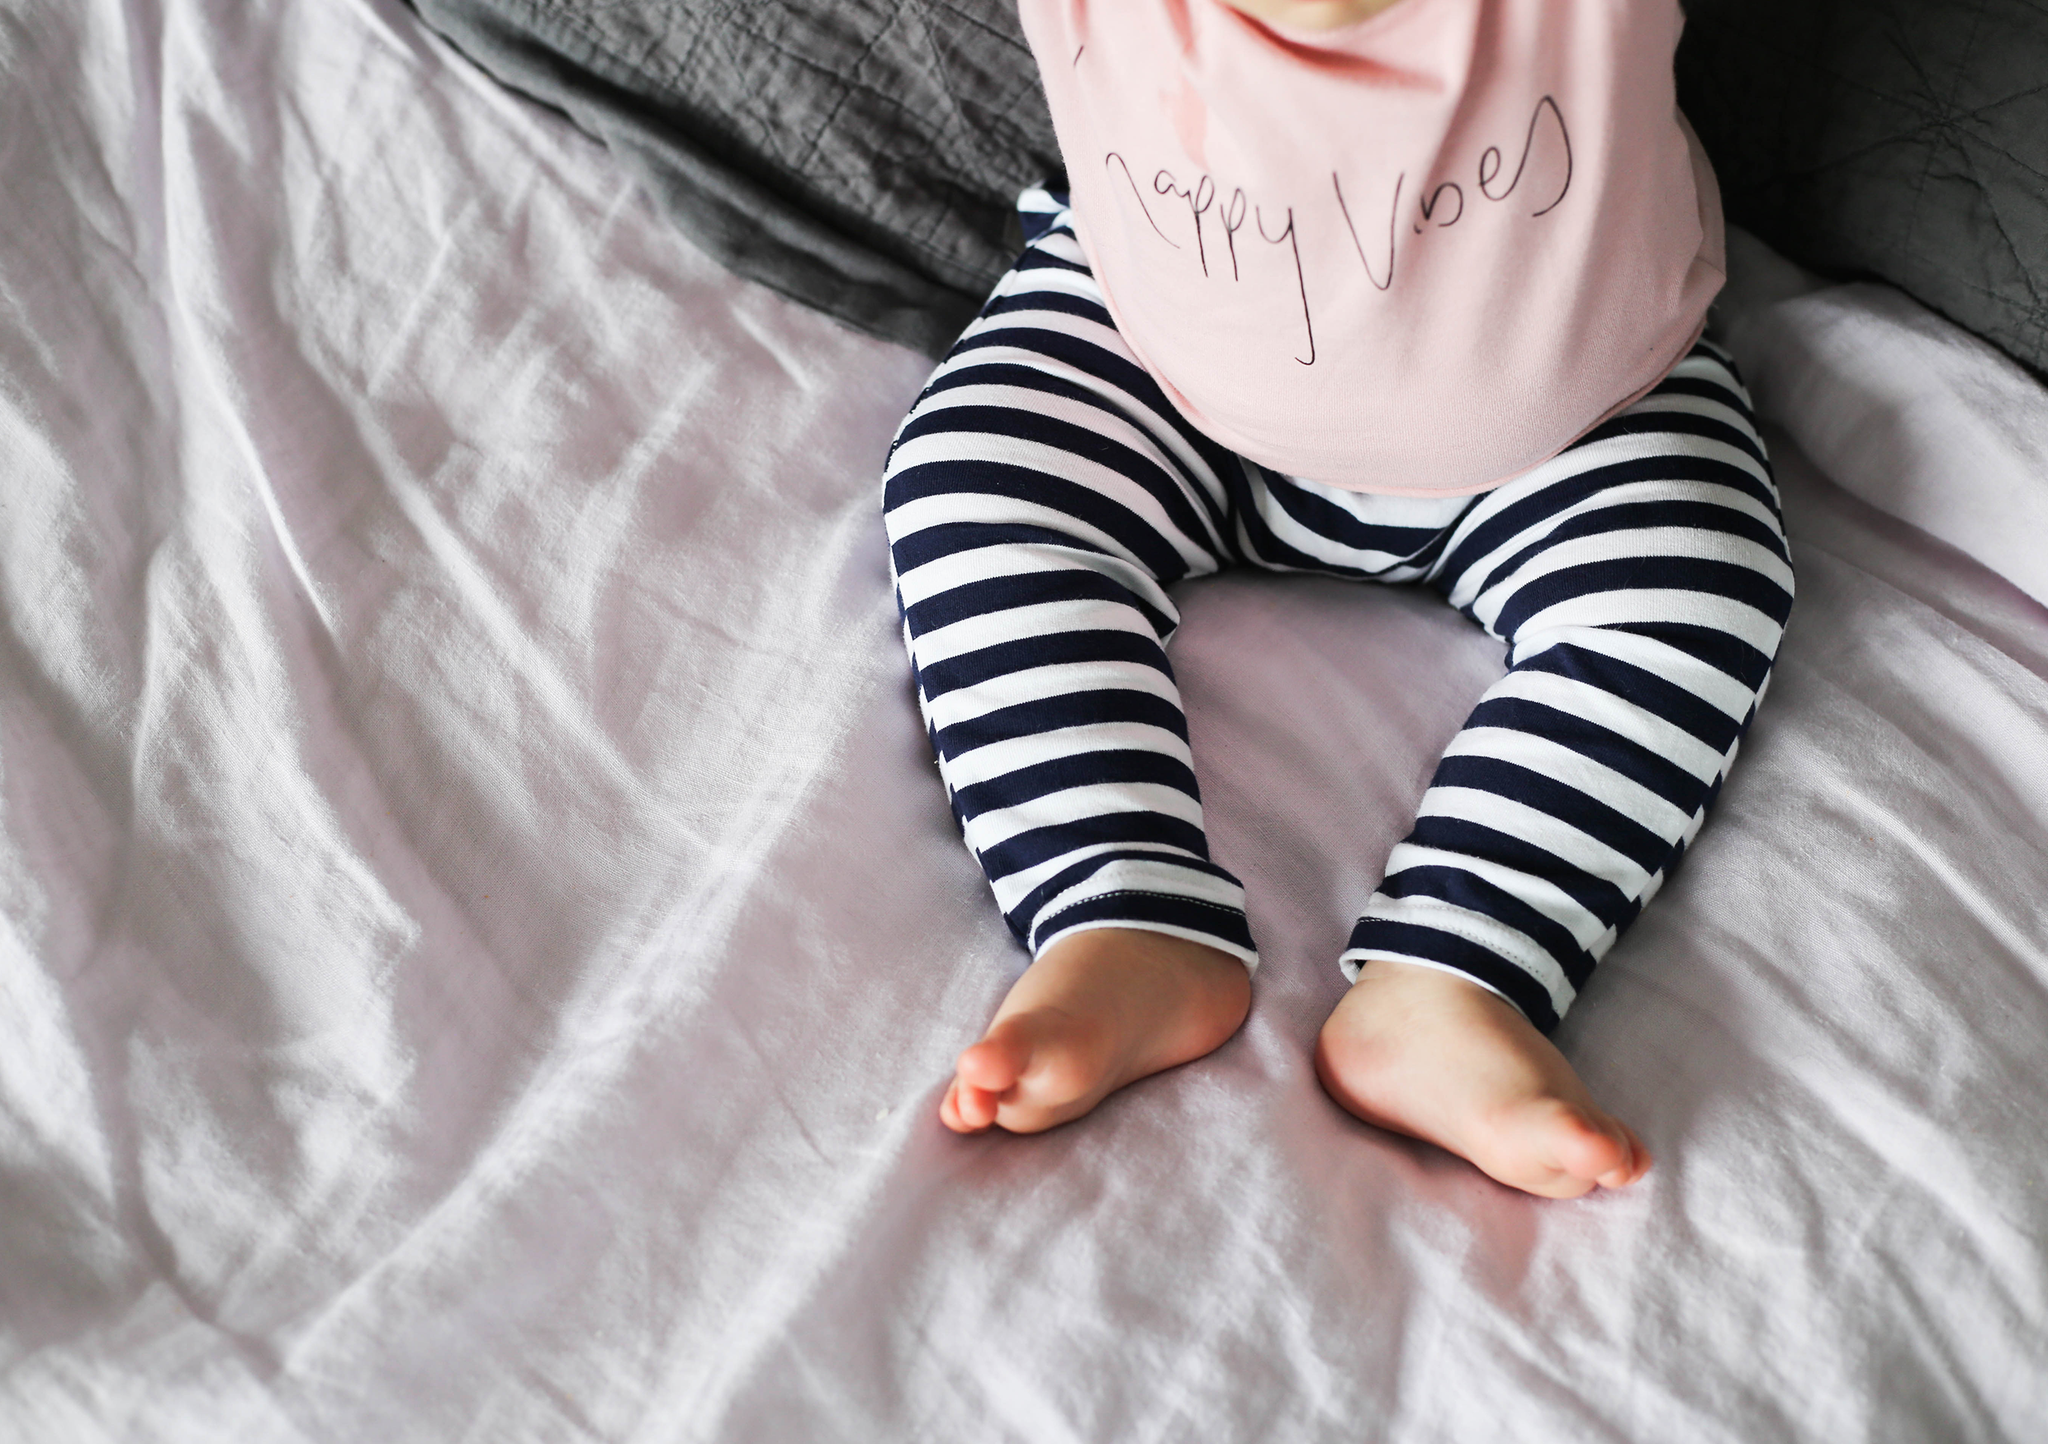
(1426, 1053)
(1099, 1009)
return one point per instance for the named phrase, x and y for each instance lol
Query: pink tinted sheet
(480, 936)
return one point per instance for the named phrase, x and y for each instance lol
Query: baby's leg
(1038, 499)
(1641, 581)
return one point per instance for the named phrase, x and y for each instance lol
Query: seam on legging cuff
(1356, 958)
(1460, 923)
(1237, 941)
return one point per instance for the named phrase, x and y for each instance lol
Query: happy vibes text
(1439, 208)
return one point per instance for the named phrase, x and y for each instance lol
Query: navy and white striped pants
(1043, 494)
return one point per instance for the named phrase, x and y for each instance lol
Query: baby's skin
(1411, 1049)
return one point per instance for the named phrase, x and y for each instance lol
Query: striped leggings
(1043, 494)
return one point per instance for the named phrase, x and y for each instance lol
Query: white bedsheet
(480, 936)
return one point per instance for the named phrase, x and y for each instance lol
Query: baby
(1393, 290)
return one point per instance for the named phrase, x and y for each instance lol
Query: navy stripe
(1033, 902)
(1705, 390)
(1268, 550)
(1195, 914)
(1091, 359)
(1558, 799)
(1016, 375)
(1641, 688)
(1038, 224)
(1052, 649)
(1382, 935)
(1631, 759)
(1037, 259)
(1666, 512)
(1720, 650)
(1467, 890)
(1455, 835)
(1063, 774)
(1063, 302)
(1620, 574)
(1039, 845)
(1409, 546)
(1027, 589)
(1050, 714)
(1204, 506)
(950, 538)
(1653, 422)
(1159, 479)
(1500, 527)
(1326, 519)
(1105, 514)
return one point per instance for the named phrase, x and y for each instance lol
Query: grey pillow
(1901, 139)
(861, 156)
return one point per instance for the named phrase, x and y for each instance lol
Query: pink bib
(1419, 254)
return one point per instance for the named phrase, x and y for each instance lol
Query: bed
(481, 934)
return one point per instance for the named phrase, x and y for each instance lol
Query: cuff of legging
(1455, 941)
(1199, 920)
(1164, 892)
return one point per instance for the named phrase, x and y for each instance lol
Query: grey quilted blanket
(861, 155)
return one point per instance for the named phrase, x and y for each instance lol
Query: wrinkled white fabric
(481, 936)
(1913, 415)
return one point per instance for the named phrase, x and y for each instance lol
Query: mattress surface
(481, 936)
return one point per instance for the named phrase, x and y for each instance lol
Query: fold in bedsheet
(1913, 415)
(480, 933)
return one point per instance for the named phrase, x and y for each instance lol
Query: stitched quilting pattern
(863, 155)
(1901, 139)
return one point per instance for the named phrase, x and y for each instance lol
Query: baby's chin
(1310, 14)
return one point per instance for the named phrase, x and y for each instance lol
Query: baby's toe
(949, 1108)
(994, 1065)
(1633, 1167)
(1556, 1149)
(1602, 1150)
(1638, 1150)
(967, 1109)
